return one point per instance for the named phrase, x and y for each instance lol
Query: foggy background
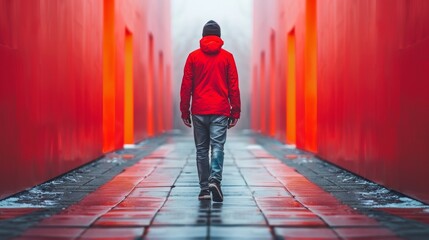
(235, 20)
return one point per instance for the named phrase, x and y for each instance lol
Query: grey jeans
(209, 132)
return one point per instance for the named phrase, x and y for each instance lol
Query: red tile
(295, 179)
(130, 208)
(416, 214)
(43, 238)
(141, 202)
(282, 209)
(260, 153)
(140, 192)
(146, 199)
(126, 180)
(277, 202)
(373, 238)
(69, 221)
(349, 220)
(122, 188)
(135, 209)
(264, 183)
(296, 222)
(53, 232)
(100, 200)
(147, 162)
(305, 233)
(271, 161)
(129, 214)
(290, 214)
(158, 154)
(324, 200)
(8, 213)
(305, 193)
(279, 172)
(333, 211)
(123, 222)
(156, 184)
(113, 233)
(128, 156)
(138, 170)
(85, 210)
(304, 187)
(109, 190)
(364, 232)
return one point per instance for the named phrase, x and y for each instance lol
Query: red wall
(371, 61)
(53, 88)
(270, 46)
(373, 82)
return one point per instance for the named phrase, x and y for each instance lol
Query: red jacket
(210, 77)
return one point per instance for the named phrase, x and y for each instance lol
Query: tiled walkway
(156, 198)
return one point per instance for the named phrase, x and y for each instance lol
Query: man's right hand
(187, 121)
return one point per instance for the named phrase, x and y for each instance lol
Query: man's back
(214, 75)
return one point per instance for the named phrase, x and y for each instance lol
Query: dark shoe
(204, 195)
(214, 187)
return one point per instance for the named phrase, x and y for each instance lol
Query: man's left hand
(232, 122)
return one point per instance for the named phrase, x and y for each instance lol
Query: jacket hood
(211, 44)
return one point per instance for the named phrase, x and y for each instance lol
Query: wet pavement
(271, 191)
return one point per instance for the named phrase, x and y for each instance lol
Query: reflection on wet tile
(180, 218)
(183, 232)
(236, 191)
(236, 220)
(270, 192)
(233, 232)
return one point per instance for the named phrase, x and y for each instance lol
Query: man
(210, 77)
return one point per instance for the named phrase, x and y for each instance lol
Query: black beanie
(211, 28)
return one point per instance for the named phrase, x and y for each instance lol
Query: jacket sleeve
(233, 89)
(186, 89)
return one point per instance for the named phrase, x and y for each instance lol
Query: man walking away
(210, 77)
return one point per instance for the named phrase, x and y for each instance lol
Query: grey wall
(235, 20)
